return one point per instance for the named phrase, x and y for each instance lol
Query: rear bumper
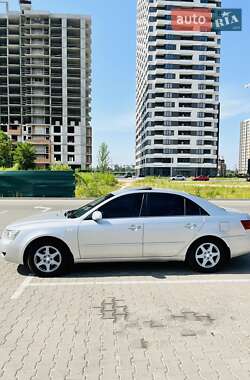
(239, 245)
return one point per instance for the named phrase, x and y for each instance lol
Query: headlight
(10, 234)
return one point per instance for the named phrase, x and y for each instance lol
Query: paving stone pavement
(109, 330)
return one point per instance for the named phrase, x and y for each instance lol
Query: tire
(207, 255)
(49, 258)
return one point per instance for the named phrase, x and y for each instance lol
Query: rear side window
(192, 209)
(160, 204)
(126, 206)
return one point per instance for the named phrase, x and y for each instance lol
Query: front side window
(126, 206)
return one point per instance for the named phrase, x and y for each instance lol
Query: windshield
(82, 210)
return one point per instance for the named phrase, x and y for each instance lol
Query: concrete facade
(222, 167)
(244, 152)
(45, 84)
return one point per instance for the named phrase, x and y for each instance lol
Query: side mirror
(96, 216)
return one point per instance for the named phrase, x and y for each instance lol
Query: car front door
(118, 234)
(171, 221)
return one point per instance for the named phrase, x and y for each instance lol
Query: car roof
(211, 208)
(145, 189)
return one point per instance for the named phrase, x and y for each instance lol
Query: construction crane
(6, 2)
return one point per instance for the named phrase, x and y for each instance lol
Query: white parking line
(26, 282)
(142, 282)
(44, 209)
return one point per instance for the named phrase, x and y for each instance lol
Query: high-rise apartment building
(222, 167)
(45, 84)
(244, 153)
(177, 116)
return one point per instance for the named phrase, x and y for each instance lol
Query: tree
(103, 158)
(6, 151)
(24, 156)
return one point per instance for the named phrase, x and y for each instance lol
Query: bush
(95, 184)
(12, 169)
(60, 167)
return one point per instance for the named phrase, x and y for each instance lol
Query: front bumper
(10, 251)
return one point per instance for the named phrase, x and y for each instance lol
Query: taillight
(246, 224)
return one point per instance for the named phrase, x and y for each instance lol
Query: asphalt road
(14, 209)
(150, 321)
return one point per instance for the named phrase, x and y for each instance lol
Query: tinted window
(193, 209)
(126, 206)
(158, 204)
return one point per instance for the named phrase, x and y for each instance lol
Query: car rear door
(171, 222)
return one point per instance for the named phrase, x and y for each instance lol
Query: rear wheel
(207, 255)
(48, 258)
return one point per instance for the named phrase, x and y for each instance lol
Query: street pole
(171, 167)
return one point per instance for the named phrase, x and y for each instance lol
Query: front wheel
(48, 259)
(207, 255)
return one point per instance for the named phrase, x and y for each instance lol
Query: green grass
(90, 185)
(210, 190)
(237, 179)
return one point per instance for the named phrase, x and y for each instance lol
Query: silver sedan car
(130, 225)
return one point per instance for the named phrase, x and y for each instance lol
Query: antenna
(6, 2)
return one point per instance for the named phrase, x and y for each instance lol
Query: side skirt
(129, 259)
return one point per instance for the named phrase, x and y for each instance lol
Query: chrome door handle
(191, 226)
(134, 228)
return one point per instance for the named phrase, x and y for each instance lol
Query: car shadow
(158, 270)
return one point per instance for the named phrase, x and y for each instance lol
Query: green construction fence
(40, 183)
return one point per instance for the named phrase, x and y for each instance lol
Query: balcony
(15, 131)
(42, 160)
(39, 141)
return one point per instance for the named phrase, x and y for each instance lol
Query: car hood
(47, 217)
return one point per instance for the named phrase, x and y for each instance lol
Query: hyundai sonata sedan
(130, 225)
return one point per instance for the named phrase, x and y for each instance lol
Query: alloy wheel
(207, 255)
(47, 259)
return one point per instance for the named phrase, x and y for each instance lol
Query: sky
(113, 55)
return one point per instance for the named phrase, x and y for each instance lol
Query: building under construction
(45, 83)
